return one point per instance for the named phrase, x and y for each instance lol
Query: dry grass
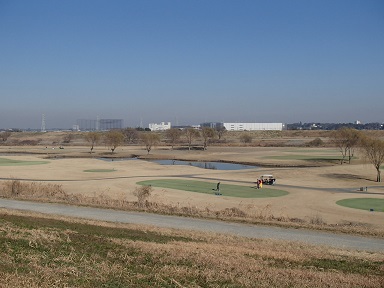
(40, 252)
(36, 191)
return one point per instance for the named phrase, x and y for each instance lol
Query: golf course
(313, 191)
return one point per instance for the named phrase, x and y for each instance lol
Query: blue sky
(191, 61)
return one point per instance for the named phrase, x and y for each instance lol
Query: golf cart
(268, 179)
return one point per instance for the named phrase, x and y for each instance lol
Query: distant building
(245, 126)
(254, 126)
(99, 124)
(214, 125)
(160, 127)
(109, 124)
(86, 124)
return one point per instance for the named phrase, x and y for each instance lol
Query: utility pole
(43, 123)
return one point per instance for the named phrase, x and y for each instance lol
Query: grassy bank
(42, 252)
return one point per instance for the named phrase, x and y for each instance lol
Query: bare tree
(149, 139)
(190, 134)
(173, 135)
(374, 151)
(346, 139)
(220, 130)
(131, 135)
(92, 138)
(207, 133)
(113, 139)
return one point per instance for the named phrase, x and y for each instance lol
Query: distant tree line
(132, 136)
(334, 126)
(346, 139)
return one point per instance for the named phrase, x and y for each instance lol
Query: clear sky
(190, 61)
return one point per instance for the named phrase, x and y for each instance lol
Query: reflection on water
(200, 164)
(205, 165)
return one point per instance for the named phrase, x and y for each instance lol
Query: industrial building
(160, 127)
(109, 124)
(253, 126)
(99, 124)
(245, 126)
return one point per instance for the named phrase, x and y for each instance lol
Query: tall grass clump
(143, 193)
(35, 191)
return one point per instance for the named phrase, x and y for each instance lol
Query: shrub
(143, 193)
(316, 220)
(315, 143)
(232, 212)
(245, 138)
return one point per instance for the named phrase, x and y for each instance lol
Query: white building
(160, 127)
(253, 126)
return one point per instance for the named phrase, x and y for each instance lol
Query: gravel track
(245, 230)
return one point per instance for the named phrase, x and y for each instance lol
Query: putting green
(12, 162)
(209, 188)
(99, 170)
(363, 203)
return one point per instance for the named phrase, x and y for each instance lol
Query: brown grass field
(314, 180)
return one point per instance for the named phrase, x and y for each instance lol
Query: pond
(115, 159)
(200, 164)
(206, 165)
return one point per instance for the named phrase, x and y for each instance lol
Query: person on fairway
(218, 187)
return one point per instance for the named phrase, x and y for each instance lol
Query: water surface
(206, 165)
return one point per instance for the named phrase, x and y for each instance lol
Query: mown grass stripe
(13, 162)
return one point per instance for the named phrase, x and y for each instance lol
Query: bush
(316, 220)
(143, 193)
(315, 143)
(245, 138)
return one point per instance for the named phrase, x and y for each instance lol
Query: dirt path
(251, 231)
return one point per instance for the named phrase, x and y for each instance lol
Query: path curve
(245, 230)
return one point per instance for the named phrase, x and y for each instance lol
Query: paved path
(251, 231)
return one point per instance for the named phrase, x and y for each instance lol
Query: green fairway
(100, 170)
(209, 188)
(363, 203)
(313, 150)
(11, 162)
